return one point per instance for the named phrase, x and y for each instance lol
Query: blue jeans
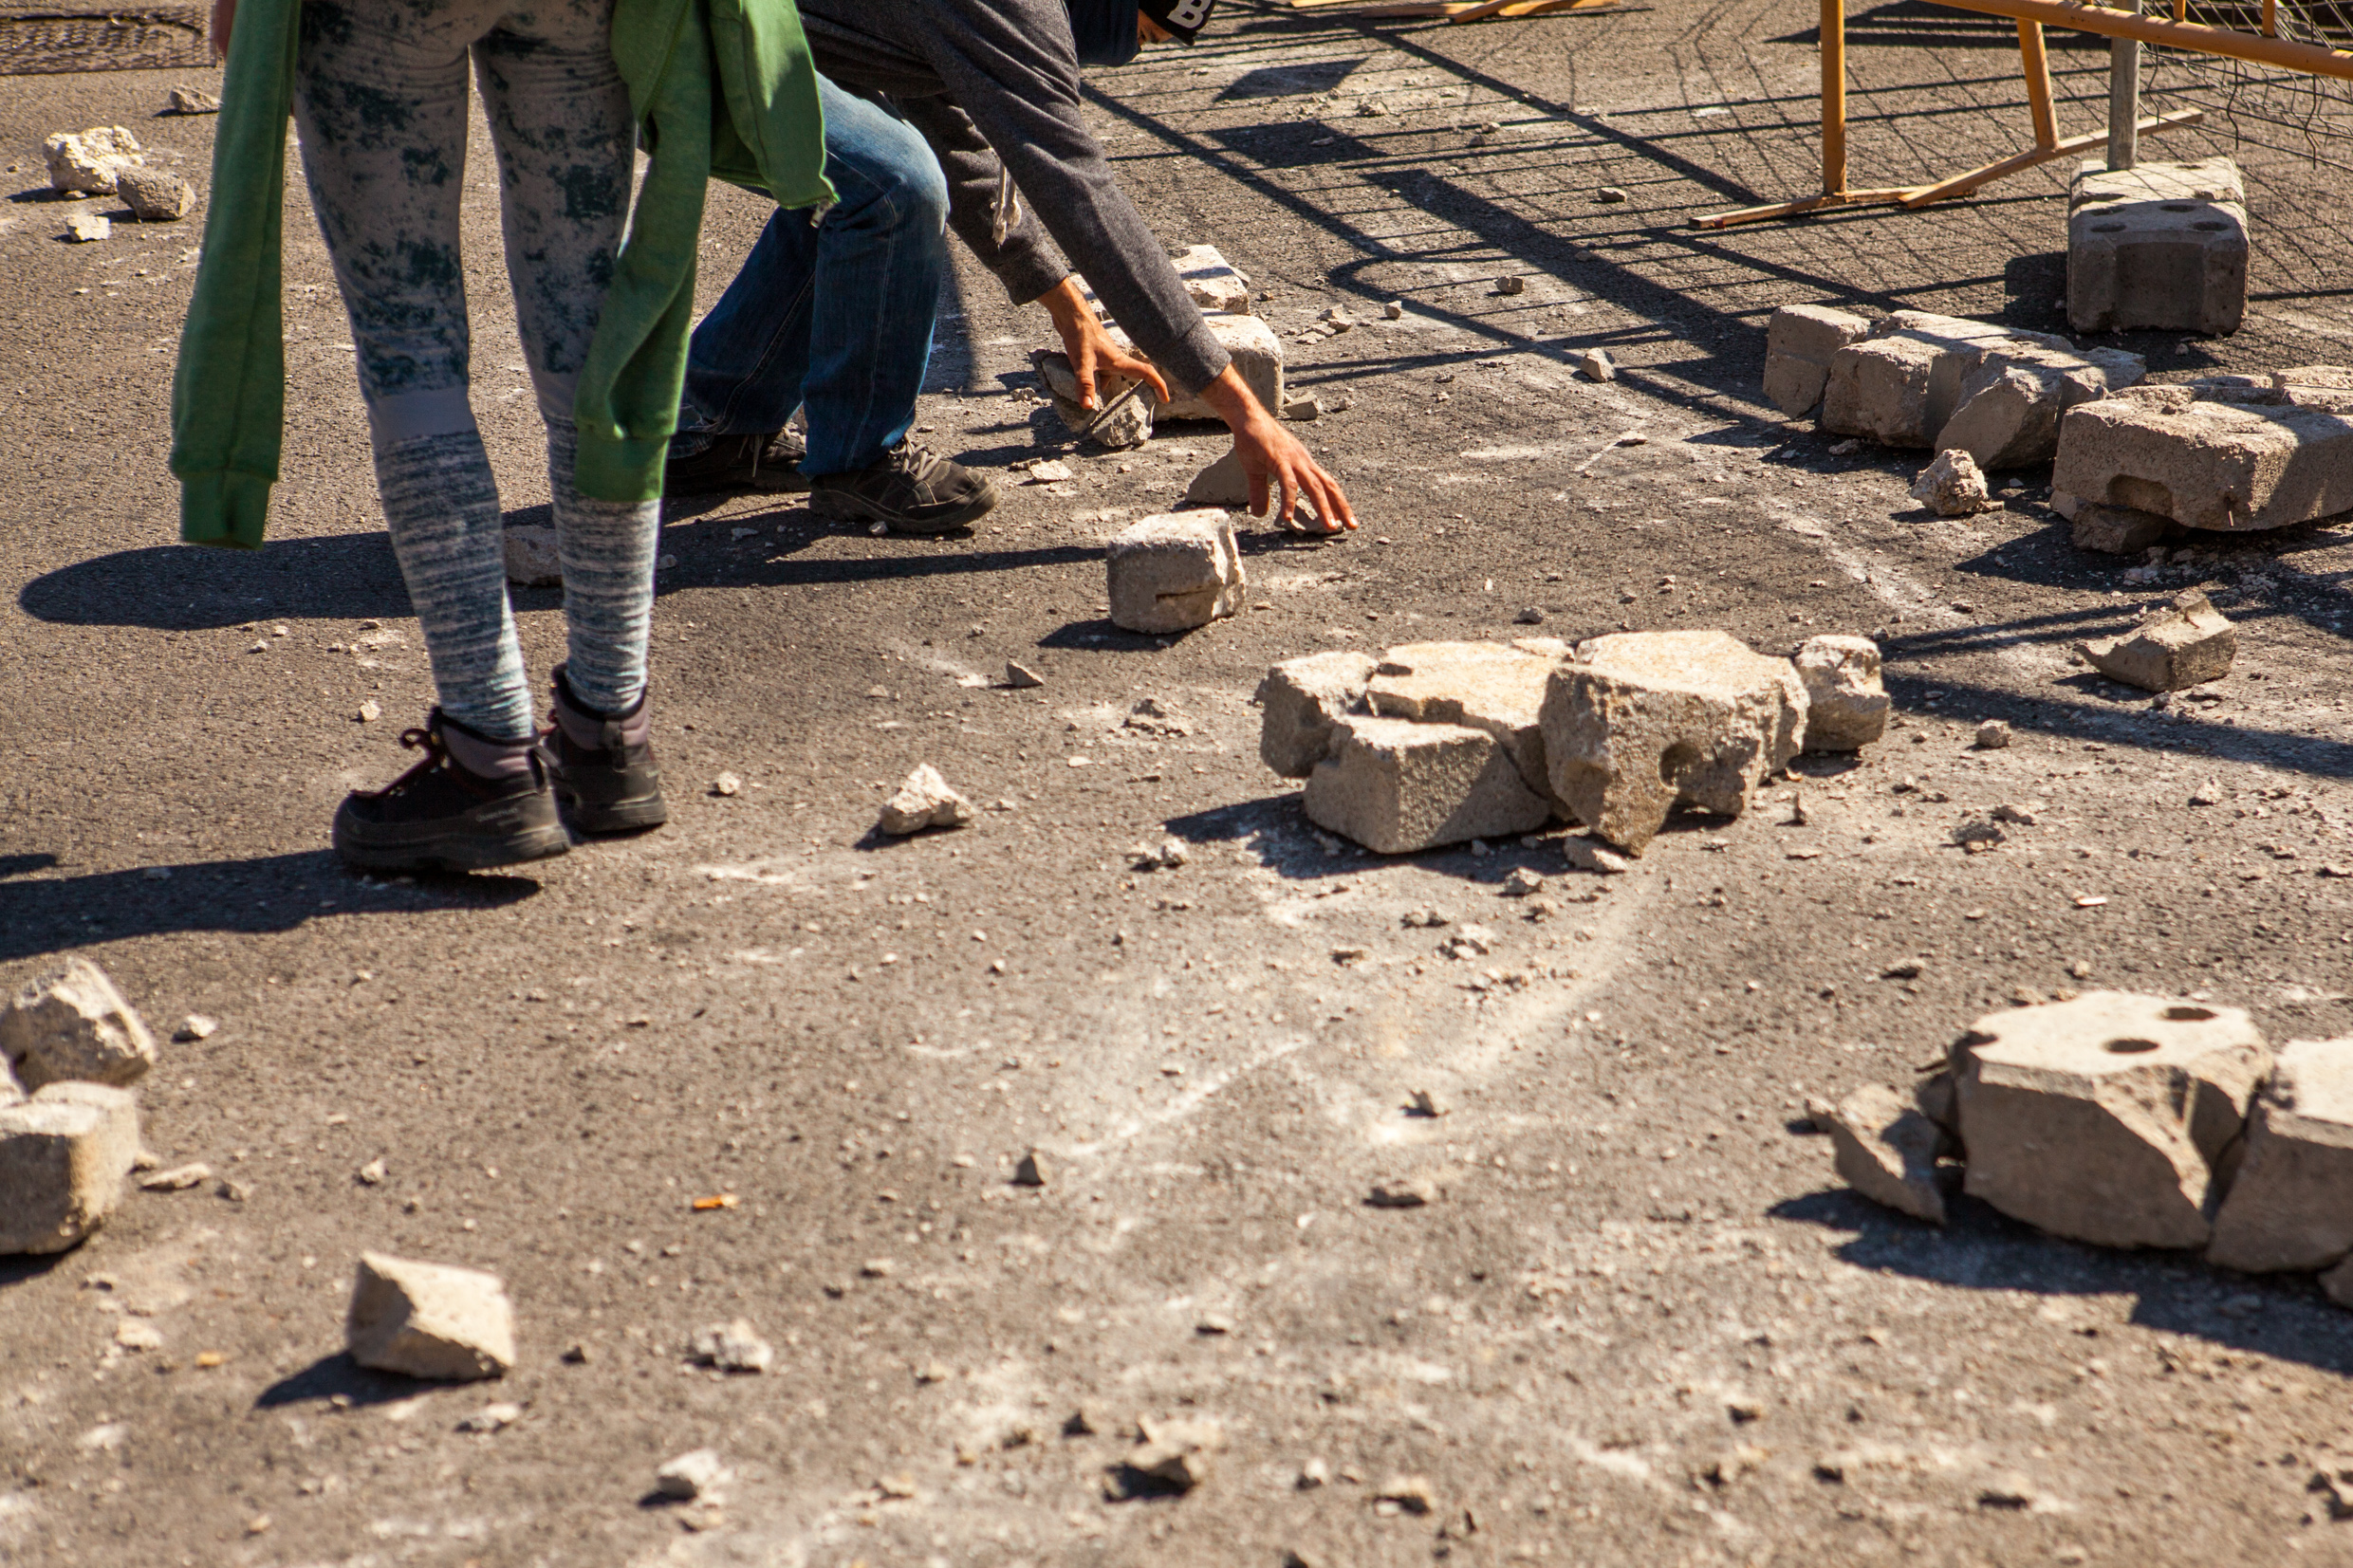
(836, 314)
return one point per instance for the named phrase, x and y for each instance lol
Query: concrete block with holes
(2207, 463)
(2159, 246)
(2112, 1118)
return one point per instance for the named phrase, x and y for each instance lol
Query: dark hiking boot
(910, 490)
(770, 462)
(469, 804)
(602, 766)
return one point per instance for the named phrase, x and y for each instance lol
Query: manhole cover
(34, 42)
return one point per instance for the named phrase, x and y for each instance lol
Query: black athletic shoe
(910, 490)
(770, 462)
(439, 817)
(613, 787)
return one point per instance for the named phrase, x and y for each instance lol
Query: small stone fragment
(1222, 484)
(1598, 365)
(88, 228)
(88, 162)
(2187, 643)
(1953, 485)
(491, 1418)
(1050, 470)
(369, 711)
(195, 1027)
(1308, 407)
(71, 1023)
(1427, 1103)
(727, 783)
(691, 1476)
(2291, 1206)
(1173, 1456)
(923, 801)
(1175, 572)
(430, 1320)
(1846, 703)
(1032, 1170)
(1302, 700)
(1993, 735)
(1511, 283)
(178, 1179)
(733, 1347)
(1521, 883)
(1411, 1493)
(1410, 1192)
(156, 195)
(1886, 1149)
(531, 558)
(1395, 310)
(193, 100)
(1020, 677)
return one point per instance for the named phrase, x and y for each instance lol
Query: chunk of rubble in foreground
(1953, 485)
(1175, 572)
(63, 1155)
(1644, 720)
(1887, 1151)
(430, 1320)
(1845, 701)
(1302, 699)
(1921, 379)
(2291, 1206)
(2187, 643)
(923, 799)
(1799, 343)
(72, 1024)
(1495, 687)
(1397, 786)
(2206, 464)
(2102, 1118)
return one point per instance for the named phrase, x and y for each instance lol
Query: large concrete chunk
(2102, 1118)
(2006, 413)
(63, 1154)
(73, 1024)
(429, 1320)
(1901, 383)
(88, 162)
(1798, 346)
(1887, 1149)
(2207, 464)
(1395, 787)
(1846, 702)
(2187, 643)
(2291, 1206)
(1303, 700)
(1487, 686)
(1215, 283)
(1173, 572)
(1644, 720)
(1257, 359)
(2159, 246)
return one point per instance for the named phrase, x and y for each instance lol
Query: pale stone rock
(1953, 485)
(72, 1024)
(1846, 702)
(733, 1347)
(1020, 677)
(88, 162)
(1215, 283)
(430, 1321)
(2206, 464)
(1177, 1454)
(531, 558)
(1644, 720)
(923, 799)
(1940, 382)
(2159, 246)
(88, 228)
(1798, 345)
(1397, 786)
(2103, 1118)
(64, 1156)
(1222, 484)
(2187, 643)
(1173, 572)
(691, 1476)
(1302, 700)
(1486, 686)
(1887, 1149)
(1598, 365)
(193, 100)
(2007, 412)
(156, 195)
(1129, 425)
(2290, 1205)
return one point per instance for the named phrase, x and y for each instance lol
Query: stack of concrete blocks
(2224, 454)
(1223, 295)
(71, 1041)
(1438, 743)
(1943, 384)
(2159, 246)
(2129, 1121)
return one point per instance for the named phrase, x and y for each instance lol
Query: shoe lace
(410, 740)
(916, 463)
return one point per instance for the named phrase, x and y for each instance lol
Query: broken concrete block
(1952, 486)
(922, 800)
(2315, 386)
(1397, 786)
(88, 162)
(429, 1320)
(2290, 1205)
(2159, 246)
(63, 1154)
(531, 558)
(1644, 720)
(1115, 428)
(1222, 484)
(156, 195)
(1215, 283)
(1486, 686)
(1257, 359)
(2187, 643)
(72, 1024)
(2206, 464)
(1887, 1151)
(2007, 412)
(1798, 346)
(2114, 530)
(2102, 1118)
(1173, 572)
(1302, 700)
(1846, 703)
(1901, 383)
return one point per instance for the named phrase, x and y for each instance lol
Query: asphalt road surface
(1642, 1324)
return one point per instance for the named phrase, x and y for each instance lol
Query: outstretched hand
(1277, 466)
(1089, 348)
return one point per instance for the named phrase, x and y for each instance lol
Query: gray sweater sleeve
(1012, 67)
(1027, 264)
